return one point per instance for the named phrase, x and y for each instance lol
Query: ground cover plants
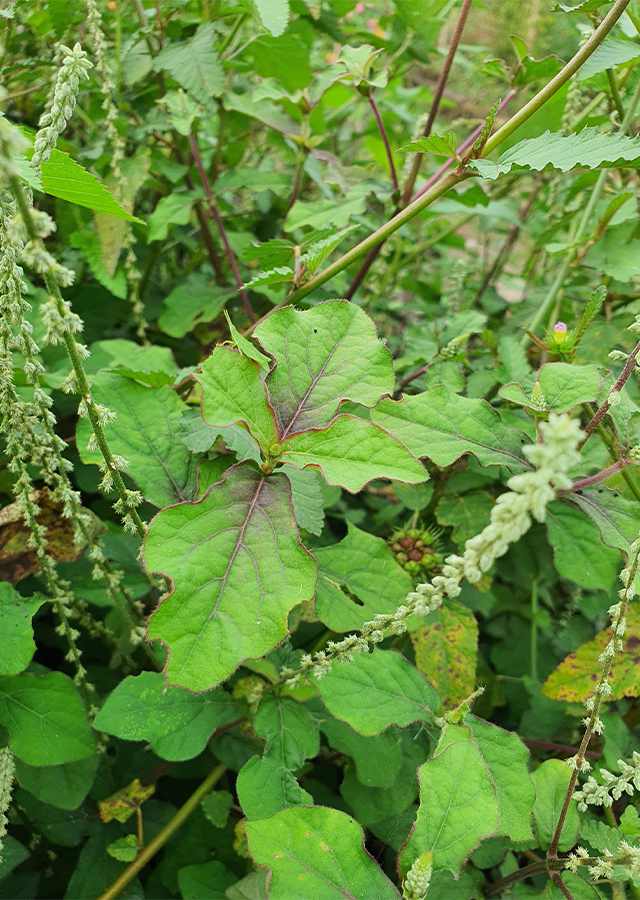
(320, 516)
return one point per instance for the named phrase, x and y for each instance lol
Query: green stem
(163, 836)
(615, 93)
(560, 79)
(422, 202)
(81, 378)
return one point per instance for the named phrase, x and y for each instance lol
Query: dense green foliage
(320, 517)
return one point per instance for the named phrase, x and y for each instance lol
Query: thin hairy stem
(560, 79)
(615, 93)
(536, 868)
(552, 852)
(385, 140)
(195, 152)
(629, 367)
(163, 836)
(533, 634)
(598, 477)
(78, 368)
(407, 191)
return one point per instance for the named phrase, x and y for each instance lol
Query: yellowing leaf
(446, 650)
(577, 676)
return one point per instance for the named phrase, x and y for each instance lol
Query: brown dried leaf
(17, 558)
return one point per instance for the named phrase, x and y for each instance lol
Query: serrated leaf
(317, 252)
(589, 148)
(579, 553)
(325, 847)
(176, 722)
(209, 880)
(277, 275)
(564, 387)
(600, 836)
(358, 578)
(237, 567)
(66, 179)
(307, 498)
(277, 252)
(195, 64)
(16, 632)
(89, 244)
(446, 647)
(440, 146)
(274, 15)
(507, 759)
(233, 392)
(458, 806)
(551, 781)
(146, 432)
(612, 52)
(443, 426)
(377, 690)
(266, 785)
(325, 355)
(351, 452)
(573, 679)
(45, 719)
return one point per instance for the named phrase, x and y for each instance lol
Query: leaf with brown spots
(576, 677)
(18, 558)
(446, 649)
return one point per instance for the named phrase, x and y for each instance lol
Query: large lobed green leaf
(458, 806)
(317, 853)
(237, 568)
(351, 452)
(563, 386)
(589, 148)
(176, 722)
(443, 426)
(147, 433)
(324, 355)
(16, 632)
(358, 578)
(266, 784)
(377, 690)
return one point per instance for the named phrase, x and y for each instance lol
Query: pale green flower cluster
(613, 786)
(416, 884)
(75, 68)
(510, 519)
(602, 866)
(7, 771)
(13, 144)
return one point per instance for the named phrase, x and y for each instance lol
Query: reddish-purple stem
(598, 477)
(606, 406)
(373, 253)
(437, 97)
(385, 140)
(193, 144)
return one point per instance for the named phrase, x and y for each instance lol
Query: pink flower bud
(559, 332)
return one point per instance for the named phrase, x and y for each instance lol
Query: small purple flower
(559, 332)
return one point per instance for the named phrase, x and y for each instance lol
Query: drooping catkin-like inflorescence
(7, 770)
(416, 884)
(511, 518)
(75, 68)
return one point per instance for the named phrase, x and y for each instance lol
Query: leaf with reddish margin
(325, 355)
(458, 805)
(351, 452)
(617, 518)
(233, 392)
(443, 426)
(237, 567)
